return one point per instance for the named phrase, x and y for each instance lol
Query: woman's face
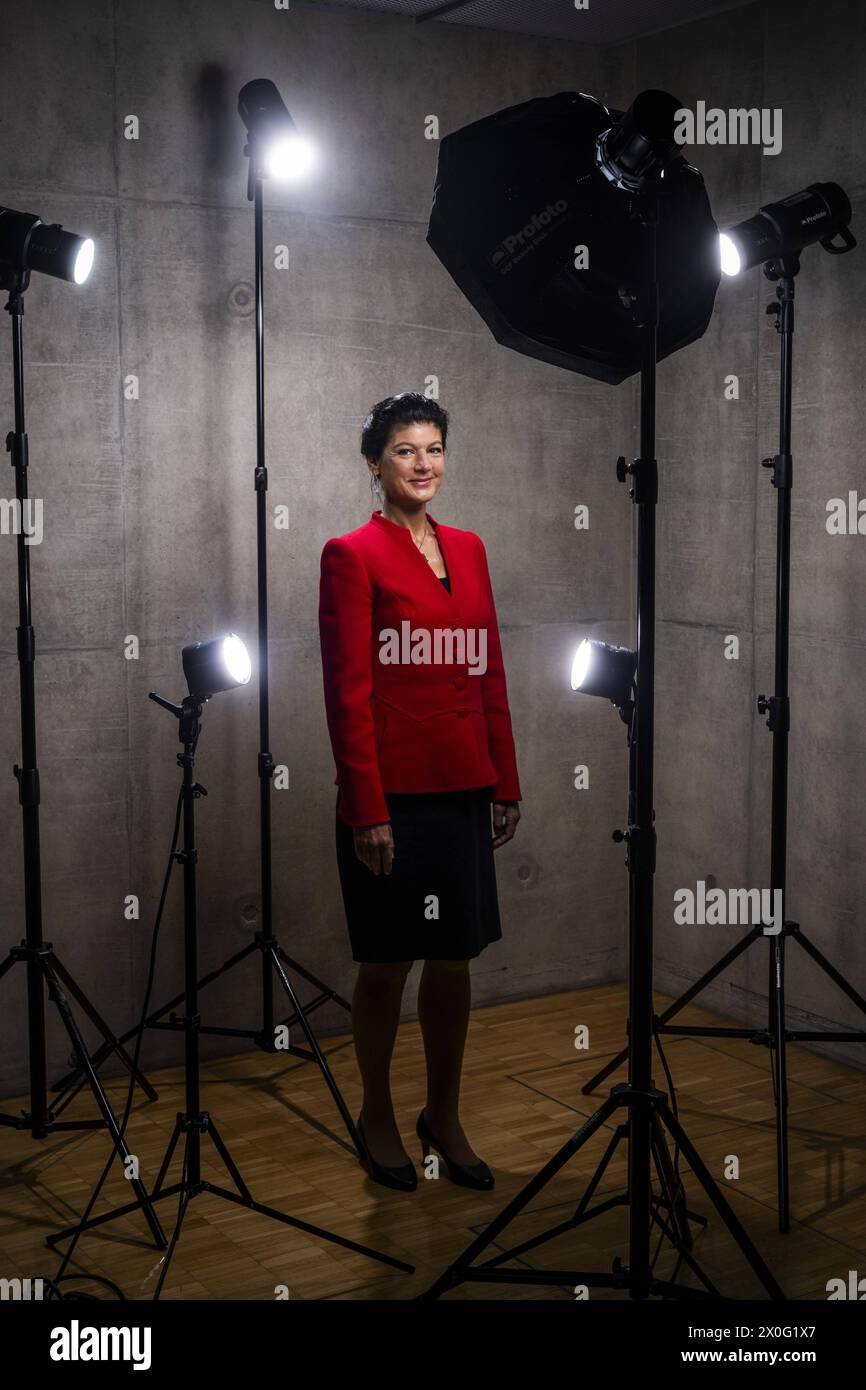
(412, 464)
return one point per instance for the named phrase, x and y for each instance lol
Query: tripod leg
(243, 1197)
(678, 1004)
(607, 1070)
(673, 1197)
(175, 1235)
(156, 1196)
(311, 979)
(57, 996)
(169, 1153)
(68, 1094)
(229, 1162)
(829, 969)
(451, 1275)
(779, 1058)
(671, 1184)
(619, 1134)
(719, 1201)
(104, 1050)
(579, 1215)
(319, 1055)
(111, 1040)
(39, 1114)
(683, 1257)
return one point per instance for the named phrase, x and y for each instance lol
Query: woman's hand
(374, 846)
(506, 814)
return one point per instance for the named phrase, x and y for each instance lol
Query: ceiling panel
(604, 22)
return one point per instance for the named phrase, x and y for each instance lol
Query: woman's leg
(375, 1016)
(443, 1011)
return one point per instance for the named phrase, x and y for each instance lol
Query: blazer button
(460, 682)
(463, 713)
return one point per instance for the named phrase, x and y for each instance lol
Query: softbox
(519, 193)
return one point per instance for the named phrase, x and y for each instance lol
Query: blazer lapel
(453, 557)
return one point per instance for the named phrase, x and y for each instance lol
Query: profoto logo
(514, 247)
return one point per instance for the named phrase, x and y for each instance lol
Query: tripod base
(192, 1185)
(41, 1121)
(649, 1108)
(764, 1036)
(775, 1036)
(275, 962)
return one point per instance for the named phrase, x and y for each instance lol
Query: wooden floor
(521, 1101)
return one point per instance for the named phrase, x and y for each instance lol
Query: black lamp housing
(275, 147)
(600, 669)
(220, 664)
(820, 213)
(27, 243)
(640, 146)
(263, 111)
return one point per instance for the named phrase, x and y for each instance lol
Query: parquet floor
(521, 1101)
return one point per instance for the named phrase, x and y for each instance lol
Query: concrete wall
(149, 507)
(717, 523)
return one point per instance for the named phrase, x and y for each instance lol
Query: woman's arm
(494, 696)
(345, 635)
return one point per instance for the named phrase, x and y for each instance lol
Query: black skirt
(439, 901)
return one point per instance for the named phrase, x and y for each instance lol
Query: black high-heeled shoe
(476, 1175)
(403, 1179)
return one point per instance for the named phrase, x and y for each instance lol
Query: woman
(418, 716)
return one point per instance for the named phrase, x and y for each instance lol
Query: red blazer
(399, 725)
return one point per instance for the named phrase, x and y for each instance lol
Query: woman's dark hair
(407, 408)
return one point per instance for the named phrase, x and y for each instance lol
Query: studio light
(599, 669)
(289, 158)
(220, 664)
(27, 243)
(583, 238)
(641, 143)
(820, 213)
(774, 239)
(273, 149)
(209, 667)
(534, 218)
(280, 152)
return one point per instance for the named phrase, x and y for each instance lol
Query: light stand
(776, 1035)
(270, 127)
(43, 967)
(274, 959)
(193, 1122)
(647, 1111)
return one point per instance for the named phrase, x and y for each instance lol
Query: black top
(446, 581)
